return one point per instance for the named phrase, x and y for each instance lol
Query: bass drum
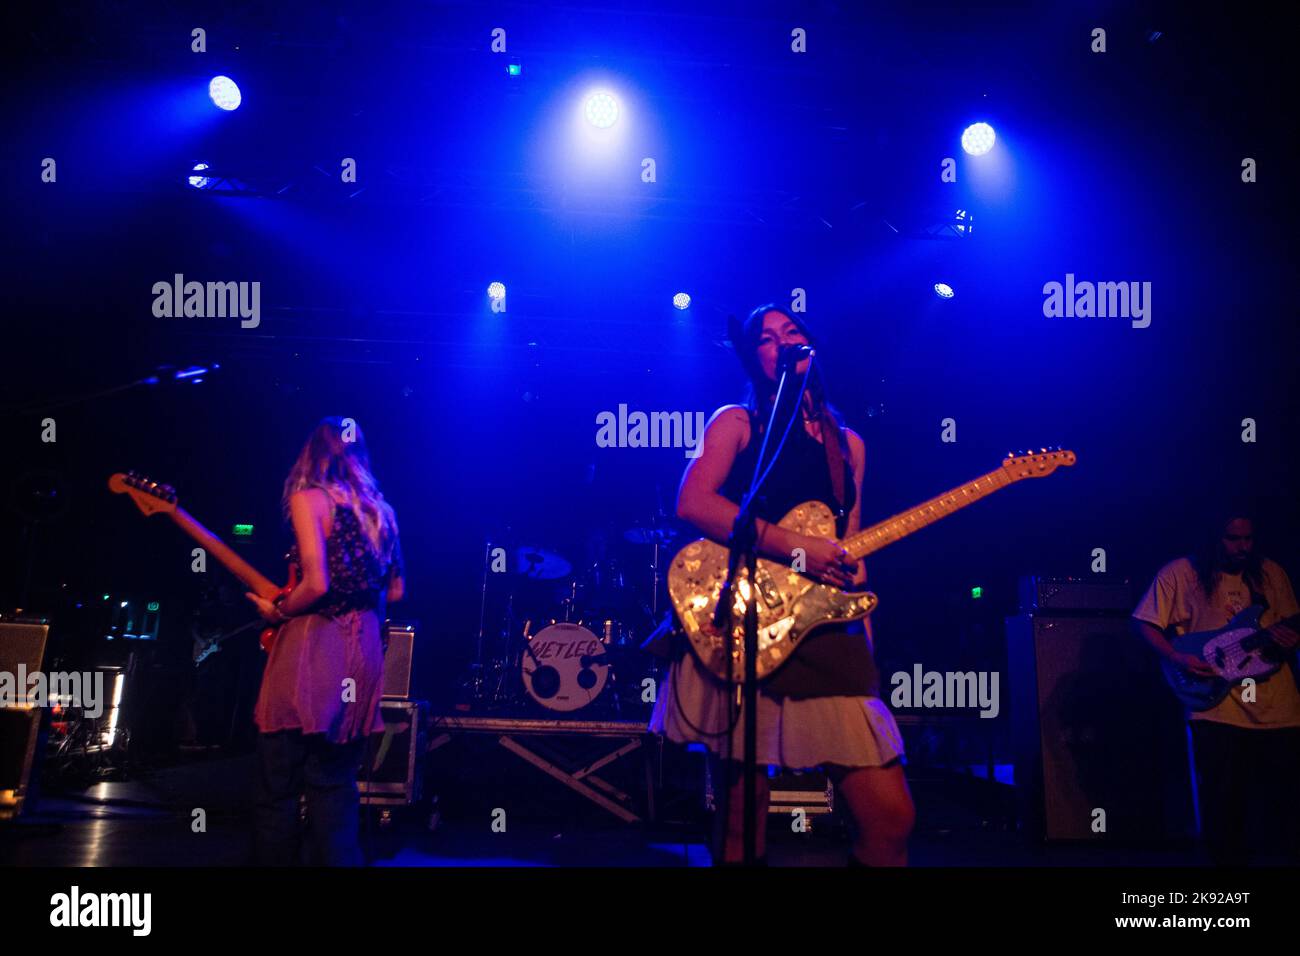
(565, 667)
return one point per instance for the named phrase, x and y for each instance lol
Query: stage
(815, 441)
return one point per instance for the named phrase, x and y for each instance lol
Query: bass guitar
(153, 498)
(1238, 650)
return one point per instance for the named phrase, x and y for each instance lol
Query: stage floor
(147, 822)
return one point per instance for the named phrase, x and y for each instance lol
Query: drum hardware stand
(571, 602)
(476, 669)
(500, 693)
(654, 580)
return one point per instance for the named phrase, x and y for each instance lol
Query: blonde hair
(335, 460)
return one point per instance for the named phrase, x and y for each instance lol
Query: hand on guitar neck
(1287, 638)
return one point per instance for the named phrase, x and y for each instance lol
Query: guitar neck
(1292, 622)
(231, 561)
(872, 539)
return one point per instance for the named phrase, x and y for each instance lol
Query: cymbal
(540, 564)
(650, 535)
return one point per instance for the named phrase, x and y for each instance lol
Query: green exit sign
(243, 531)
(976, 593)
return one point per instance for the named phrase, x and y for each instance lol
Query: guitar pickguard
(790, 605)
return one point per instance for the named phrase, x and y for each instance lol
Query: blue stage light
(497, 290)
(199, 182)
(601, 110)
(681, 301)
(224, 93)
(943, 290)
(978, 139)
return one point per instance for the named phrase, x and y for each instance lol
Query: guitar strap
(831, 438)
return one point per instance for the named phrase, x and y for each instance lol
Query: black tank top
(800, 474)
(834, 660)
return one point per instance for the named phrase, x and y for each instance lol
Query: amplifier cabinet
(399, 648)
(1095, 728)
(22, 649)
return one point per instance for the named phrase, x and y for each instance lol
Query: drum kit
(562, 638)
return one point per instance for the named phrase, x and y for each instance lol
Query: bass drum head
(565, 667)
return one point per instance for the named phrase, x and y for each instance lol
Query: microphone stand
(743, 545)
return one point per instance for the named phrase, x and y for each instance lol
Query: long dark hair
(1208, 556)
(760, 391)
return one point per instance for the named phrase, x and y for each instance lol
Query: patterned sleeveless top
(358, 576)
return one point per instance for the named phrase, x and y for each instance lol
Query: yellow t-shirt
(1175, 599)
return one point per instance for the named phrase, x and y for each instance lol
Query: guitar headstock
(1036, 464)
(149, 496)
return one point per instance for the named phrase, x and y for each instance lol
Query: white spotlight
(601, 110)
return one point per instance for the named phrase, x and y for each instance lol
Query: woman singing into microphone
(822, 707)
(322, 686)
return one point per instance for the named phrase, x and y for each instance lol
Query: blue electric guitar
(1236, 651)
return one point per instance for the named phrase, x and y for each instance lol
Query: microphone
(792, 355)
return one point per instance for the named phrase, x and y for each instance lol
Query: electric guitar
(1236, 651)
(153, 498)
(205, 647)
(791, 605)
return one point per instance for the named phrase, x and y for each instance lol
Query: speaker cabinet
(1095, 728)
(20, 644)
(399, 647)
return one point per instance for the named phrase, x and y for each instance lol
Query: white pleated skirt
(695, 707)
